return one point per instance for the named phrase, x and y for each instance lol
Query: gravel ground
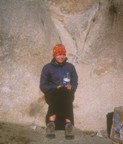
(28, 134)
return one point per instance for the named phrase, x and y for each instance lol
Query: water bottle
(66, 79)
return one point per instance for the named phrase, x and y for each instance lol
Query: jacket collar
(54, 62)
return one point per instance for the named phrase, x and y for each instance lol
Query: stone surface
(27, 34)
(23, 134)
(93, 35)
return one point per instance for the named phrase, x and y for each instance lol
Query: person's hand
(59, 86)
(68, 86)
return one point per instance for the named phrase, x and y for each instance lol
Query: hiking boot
(50, 130)
(69, 131)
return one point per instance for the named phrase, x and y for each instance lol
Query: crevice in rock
(114, 10)
(90, 25)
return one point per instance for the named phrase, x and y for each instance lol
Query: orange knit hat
(59, 49)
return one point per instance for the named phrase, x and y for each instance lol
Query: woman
(59, 82)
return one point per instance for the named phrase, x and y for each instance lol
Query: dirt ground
(32, 134)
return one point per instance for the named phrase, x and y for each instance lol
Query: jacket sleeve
(74, 80)
(45, 84)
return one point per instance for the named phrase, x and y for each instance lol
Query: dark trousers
(60, 103)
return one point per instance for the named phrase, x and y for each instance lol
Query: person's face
(60, 58)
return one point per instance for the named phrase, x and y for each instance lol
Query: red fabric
(59, 49)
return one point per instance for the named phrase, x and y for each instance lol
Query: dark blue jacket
(52, 75)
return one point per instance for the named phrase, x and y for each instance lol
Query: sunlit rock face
(27, 34)
(93, 35)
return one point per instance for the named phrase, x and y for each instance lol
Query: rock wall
(93, 35)
(27, 34)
